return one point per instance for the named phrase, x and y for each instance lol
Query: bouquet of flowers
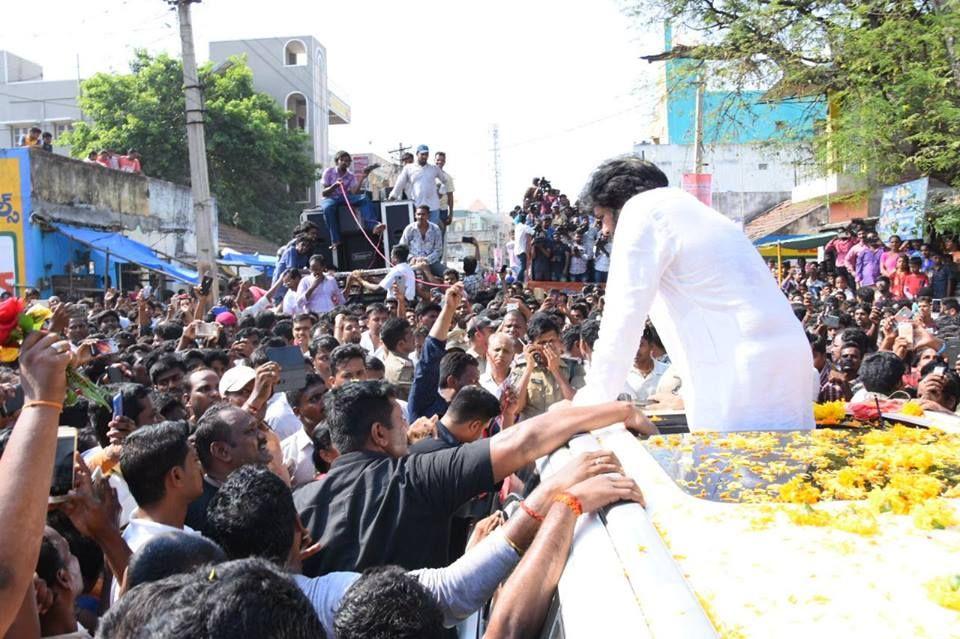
(16, 322)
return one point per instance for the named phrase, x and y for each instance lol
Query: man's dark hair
(452, 273)
(818, 345)
(343, 354)
(619, 179)
(571, 337)
(376, 307)
(455, 364)
(148, 454)
(167, 405)
(213, 427)
(49, 562)
(950, 304)
(590, 331)
(400, 253)
(171, 553)
(248, 598)
(469, 265)
(299, 317)
(387, 602)
(541, 324)
(373, 363)
(168, 330)
(164, 364)
(855, 336)
(327, 343)
(393, 331)
(881, 372)
(427, 307)
(284, 329)
(473, 403)
(353, 409)
(252, 515)
(321, 443)
(265, 321)
(293, 396)
(211, 356)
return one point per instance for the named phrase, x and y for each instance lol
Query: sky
(561, 79)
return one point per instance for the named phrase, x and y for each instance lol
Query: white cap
(234, 379)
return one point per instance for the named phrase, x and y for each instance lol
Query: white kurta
(730, 332)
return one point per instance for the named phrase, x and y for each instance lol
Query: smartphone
(62, 481)
(905, 313)
(104, 347)
(905, 330)
(118, 405)
(12, 405)
(205, 284)
(206, 329)
(147, 291)
(513, 307)
(939, 370)
(831, 321)
(539, 359)
(293, 368)
(115, 375)
(935, 306)
(466, 239)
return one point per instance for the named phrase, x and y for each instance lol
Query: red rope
(386, 260)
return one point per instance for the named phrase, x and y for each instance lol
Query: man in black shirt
(378, 505)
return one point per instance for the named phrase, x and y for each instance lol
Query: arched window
(297, 106)
(295, 54)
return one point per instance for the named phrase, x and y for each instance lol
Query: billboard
(902, 210)
(699, 185)
(13, 214)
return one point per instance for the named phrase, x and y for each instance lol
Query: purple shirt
(868, 266)
(331, 175)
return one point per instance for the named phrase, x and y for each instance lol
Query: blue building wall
(732, 117)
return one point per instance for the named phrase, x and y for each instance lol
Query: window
(60, 128)
(17, 133)
(762, 166)
(295, 54)
(297, 106)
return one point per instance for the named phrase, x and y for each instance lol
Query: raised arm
(531, 439)
(451, 301)
(27, 466)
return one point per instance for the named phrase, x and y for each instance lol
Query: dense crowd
(554, 241)
(380, 483)
(881, 318)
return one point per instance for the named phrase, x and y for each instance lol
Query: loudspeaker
(356, 253)
(397, 216)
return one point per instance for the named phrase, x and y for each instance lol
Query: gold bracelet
(514, 546)
(39, 402)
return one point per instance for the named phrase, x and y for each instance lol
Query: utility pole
(496, 183)
(196, 143)
(698, 130)
(399, 152)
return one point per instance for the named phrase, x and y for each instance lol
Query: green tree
(887, 68)
(258, 166)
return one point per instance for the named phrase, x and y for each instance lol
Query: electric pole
(496, 183)
(197, 147)
(698, 128)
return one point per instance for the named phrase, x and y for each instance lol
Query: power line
(577, 127)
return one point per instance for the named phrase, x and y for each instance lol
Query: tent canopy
(122, 249)
(242, 259)
(793, 245)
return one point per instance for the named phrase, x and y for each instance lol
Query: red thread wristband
(530, 511)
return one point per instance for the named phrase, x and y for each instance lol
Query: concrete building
(755, 149)
(52, 208)
(293, 70)
(27, 100)
(489, 229)
(747, 179)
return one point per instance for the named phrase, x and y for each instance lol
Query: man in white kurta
(729, 330)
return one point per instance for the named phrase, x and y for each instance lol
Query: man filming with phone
(544, 377)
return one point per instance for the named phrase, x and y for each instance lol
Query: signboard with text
(13, 270)
(699, 185)
(902, 210)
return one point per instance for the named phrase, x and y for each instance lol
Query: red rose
(10, 310)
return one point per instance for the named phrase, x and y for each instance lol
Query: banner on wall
(12, 250)
(699, 185)
(902, 210)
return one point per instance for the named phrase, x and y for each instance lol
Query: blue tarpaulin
(265, 262)
(122, 250)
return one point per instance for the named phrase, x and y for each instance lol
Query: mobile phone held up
(205, 284)
(466, 239)
(118, 405)
(62, 481)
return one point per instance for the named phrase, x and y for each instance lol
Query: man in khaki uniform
(544, 378)
(396, 335)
